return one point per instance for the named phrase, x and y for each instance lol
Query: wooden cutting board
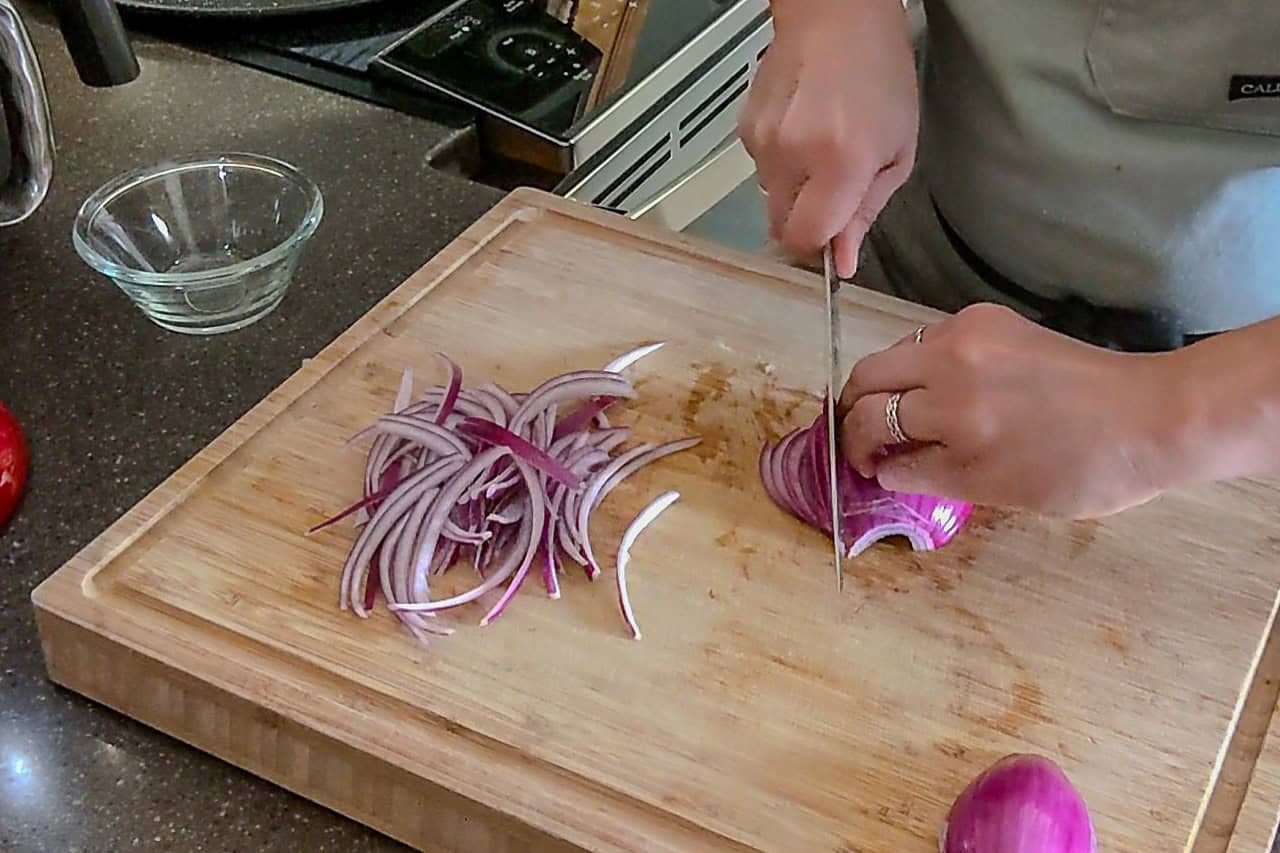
(761, 711)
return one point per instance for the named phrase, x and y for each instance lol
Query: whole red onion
(1021, 804)
(13, 463)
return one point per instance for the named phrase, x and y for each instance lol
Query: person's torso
(1126, 151)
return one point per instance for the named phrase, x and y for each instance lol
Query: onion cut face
(493, 479)
(793, 472)
(1021, 804)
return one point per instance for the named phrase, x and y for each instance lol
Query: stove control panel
(507, 57)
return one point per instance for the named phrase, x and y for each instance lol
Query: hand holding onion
(1002, 412)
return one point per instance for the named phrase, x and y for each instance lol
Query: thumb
(847, 245)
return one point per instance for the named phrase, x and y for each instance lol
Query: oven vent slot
(648, 173)
(710, 100)
(659, 151)
(728, 101)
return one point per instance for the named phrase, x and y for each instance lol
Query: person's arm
(1228, 422)
(831, 121)
(1003, 412)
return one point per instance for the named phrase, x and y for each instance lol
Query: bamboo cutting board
(761, 711)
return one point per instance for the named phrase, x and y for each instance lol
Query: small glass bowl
(201, 245)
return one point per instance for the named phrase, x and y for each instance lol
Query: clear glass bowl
(201, 245)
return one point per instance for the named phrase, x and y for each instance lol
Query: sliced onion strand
(633, 531)
(493, 477)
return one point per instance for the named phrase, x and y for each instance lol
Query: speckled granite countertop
(112, 404)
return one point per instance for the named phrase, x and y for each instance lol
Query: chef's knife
(833, 395)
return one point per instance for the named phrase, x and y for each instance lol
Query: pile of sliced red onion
(1021, 804)
(497, 478)
(794, 472)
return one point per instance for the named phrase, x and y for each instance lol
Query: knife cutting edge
(833, 395)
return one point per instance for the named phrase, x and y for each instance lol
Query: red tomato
(13, 463)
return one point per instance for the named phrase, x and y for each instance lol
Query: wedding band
(891, 419)
(920, 335)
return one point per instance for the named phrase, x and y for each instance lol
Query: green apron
(1120, 154)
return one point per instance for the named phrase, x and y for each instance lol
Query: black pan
(240, 8)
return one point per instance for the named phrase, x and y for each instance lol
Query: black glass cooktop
(328, 48)
(552, 63)
(510, 58)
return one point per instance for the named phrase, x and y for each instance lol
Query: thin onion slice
(584, 415)
(608, 482)
(451, 395)
(384, 519)
(579, 385)
(627, 359)
(537, 517)
(372, 473)
(594, 410)
(491, 433)
(633, 531)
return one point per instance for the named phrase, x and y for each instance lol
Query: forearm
(1226, 418)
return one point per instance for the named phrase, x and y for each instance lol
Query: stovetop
(334, 48)
(330, 48)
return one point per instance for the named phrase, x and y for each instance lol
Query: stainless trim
(685, 147)
(699, 189)
(616, 116)
(642, 95)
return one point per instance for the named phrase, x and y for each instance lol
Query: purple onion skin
(795, 478)
(1021, 804)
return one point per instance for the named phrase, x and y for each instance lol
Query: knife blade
(833, 395)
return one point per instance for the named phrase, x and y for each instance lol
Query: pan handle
(97, 41)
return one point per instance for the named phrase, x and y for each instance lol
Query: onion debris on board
(794, 473)
(1021, 804)
(497, 479)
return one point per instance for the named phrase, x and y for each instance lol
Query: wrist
(1175, 420)
(1202, 416)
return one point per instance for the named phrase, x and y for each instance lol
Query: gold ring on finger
(891, 419)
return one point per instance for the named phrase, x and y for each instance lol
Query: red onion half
(494, 479)
(794, 473)
(1021, 804)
